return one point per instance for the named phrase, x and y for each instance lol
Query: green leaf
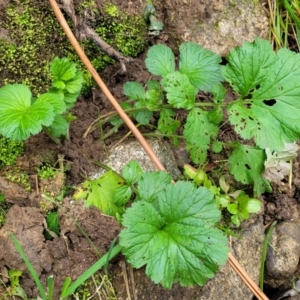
(53, 222)
(144, 116)
(134, 90)
(160, 60)
(233, 208)
(55, 100)
(198, 132)
(247, 166)
(219, 93)
(59, 127)
(253, 206)
(132, 172)
(180, 92)
(62, 69)
(216, 146)
(215, 115)
(66, 76)
(271, 111)
(74, 85)
(154, 99)
(176, 239)
(122, 195)
(19, 118)
(153, 85)
(166, 122)
(151, 183)
(200, 65)
(247, 65)
(100, 193)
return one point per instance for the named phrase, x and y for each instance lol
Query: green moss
(36, 38)
(10, 151)
(46, 172)
(16, 175)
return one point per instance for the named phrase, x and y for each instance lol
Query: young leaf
(142, 116)
(154, 99)
(151, 183)
(176, 239)
(248, 65)
(132, 172)
(53, 222)
(160, 60)
(247, 166)
(100, 193)
(20, 118)
(201, 66)
(198, 132)
(66, 76)
(180, 92)
(134, 90)
(62, 69)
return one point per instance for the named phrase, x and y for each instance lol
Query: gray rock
(216, 25)
(283, 252)
(132, 150)
(227, 284)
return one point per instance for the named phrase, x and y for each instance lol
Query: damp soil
(77, 248)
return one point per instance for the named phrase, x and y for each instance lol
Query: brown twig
(157, 163)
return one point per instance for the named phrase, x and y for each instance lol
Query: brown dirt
(72, 253)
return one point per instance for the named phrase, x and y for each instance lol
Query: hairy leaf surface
(247, 166)
(176, 238)
(270, 112)
(201, 66)
(198, 131)
(160, 60)
(180, 92)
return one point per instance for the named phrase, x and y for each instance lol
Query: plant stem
(52, 137)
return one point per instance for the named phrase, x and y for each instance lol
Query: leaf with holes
(198, 131)
(175, 237)
(269, 108)
(247, 166)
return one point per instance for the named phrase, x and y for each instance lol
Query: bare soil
(71, 253)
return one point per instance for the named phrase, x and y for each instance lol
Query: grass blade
(92, 270)
(29, 266)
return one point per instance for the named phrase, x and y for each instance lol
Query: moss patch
(35, 38)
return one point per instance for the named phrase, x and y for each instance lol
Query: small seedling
(23, 115)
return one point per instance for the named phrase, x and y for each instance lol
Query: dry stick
(103, 87)
(233, 262)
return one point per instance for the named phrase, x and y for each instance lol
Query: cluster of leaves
(266, 110)
(237, 203)
(10, 151)
(169, 227)
(23, 115)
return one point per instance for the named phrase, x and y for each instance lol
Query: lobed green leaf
(198, 131)
(175, 238)
(160, 60)
(201, 66)
(180, 92)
